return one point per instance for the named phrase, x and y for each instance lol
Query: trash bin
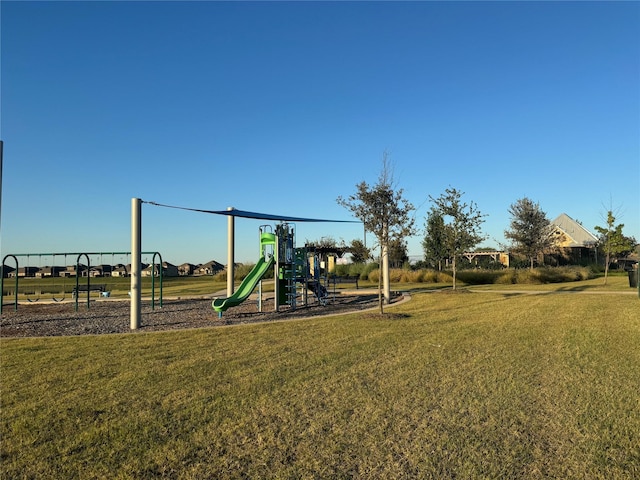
(633, 278)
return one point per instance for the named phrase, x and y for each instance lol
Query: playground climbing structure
(296, 273)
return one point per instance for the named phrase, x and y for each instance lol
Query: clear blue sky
(282, 107)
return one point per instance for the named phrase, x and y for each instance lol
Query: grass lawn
(453, 385)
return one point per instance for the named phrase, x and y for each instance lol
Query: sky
(282, 107)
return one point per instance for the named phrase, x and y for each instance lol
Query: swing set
(54, 272)
(58, 287)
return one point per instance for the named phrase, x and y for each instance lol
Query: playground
(112, 316)
(300, 277)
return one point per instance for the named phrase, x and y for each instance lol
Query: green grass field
(449, 385)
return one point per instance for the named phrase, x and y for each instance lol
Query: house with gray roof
(186, 269)
(168, 270)
(209, 268)
(573, 243)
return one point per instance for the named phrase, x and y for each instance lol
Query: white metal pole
(136, 260)
(276, 268)
(230, 251)
(385, 274)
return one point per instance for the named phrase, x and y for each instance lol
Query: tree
(325, 242)
(613, 242)
(398, 255)
(462, 224)
(433, 244)
(385, 213)
(529, 230)
(359, 252)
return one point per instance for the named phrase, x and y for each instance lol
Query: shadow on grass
(430, 288)
(513, 294)
(577, 288)
(384, 316)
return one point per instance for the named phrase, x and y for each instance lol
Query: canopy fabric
(255, 215)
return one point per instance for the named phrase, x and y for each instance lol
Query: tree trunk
(385, 276)
(453, 265)
(380, 283)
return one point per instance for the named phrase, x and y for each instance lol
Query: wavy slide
(245, 288)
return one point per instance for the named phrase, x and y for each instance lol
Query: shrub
(435, 276)
(564, 274)
(543, 275)
(412, 276)
(360, 270)
(240, 272)
(373, 275)
(395, 274)
(507, 277)
(342, 270)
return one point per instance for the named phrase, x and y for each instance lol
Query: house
(100, 271)
(48, 271)
(209, 268)
(168, 270)
(7, 271)
(121, 270)
(24, 272)
(72, 271)
(186, 269)
(573, 243)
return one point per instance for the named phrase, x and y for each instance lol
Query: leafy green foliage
(398, 255)
(529, 229)
(384, 212)
(434, 242)
(462, 224)
(359, 252)
(613, 242)
(360, 270)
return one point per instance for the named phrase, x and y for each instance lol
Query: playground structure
(80, 271)
(296, 272)
(290, 264)
(283, 256)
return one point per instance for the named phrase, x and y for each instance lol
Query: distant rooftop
(579, 236)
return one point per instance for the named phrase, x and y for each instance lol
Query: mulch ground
(112, 316)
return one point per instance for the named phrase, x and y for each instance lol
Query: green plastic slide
(245, 288)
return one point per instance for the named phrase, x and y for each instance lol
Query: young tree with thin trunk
(434, 242)
(462, 224)
(529, 230)
(385, 213)
(613, 242)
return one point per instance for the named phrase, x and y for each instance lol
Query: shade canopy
(255, 215)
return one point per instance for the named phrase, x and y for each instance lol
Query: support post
(384, 271)
(276, 270)
(136, 260)
(230, 252)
